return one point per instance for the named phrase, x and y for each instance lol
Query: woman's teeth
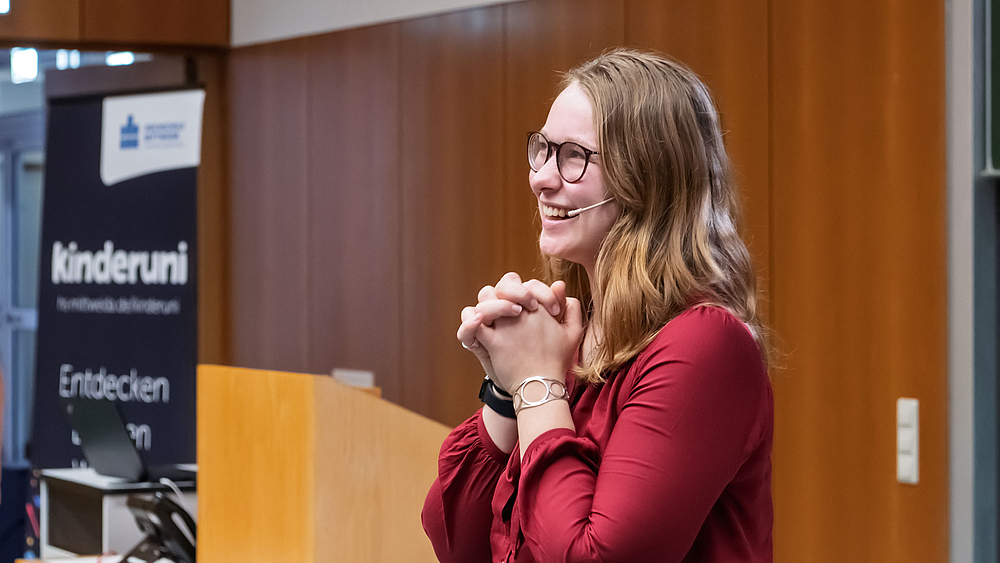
(553, 212)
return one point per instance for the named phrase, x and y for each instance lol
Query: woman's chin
(549, 248)
(553, 249)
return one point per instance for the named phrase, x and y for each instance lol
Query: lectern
(302, 468)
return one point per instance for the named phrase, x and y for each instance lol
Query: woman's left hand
(532, 343)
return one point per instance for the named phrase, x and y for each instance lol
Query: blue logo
(130, 134)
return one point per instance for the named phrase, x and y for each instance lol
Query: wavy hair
(675, 244)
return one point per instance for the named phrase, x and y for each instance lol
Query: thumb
(559, 290)
(485, 335)
(573, 318)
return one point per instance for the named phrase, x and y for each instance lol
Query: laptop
(108, 447)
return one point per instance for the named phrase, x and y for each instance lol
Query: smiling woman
(633, 382)
(562, 184)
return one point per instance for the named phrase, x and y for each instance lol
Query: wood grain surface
(296, 467)
(175, 22)
(451, 170)
(214, 332)
(42, 20)
(375, 462)
(269, 207)
(354, 281)
(858, 288)
(256, 465)
(117, 23)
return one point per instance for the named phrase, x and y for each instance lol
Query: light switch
(906, 470)
(907, 440)
(906, 412)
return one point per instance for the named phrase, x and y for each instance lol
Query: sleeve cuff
(544, 437)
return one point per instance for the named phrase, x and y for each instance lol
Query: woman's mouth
(554, 213)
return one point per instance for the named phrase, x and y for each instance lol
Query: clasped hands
(522, 329)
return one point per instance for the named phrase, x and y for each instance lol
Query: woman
(642, 412)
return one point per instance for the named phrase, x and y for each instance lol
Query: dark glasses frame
(556, 148)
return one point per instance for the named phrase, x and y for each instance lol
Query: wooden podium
(301, 468)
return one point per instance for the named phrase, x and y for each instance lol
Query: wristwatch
(497, 399)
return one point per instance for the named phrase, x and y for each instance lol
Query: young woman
(638, 409)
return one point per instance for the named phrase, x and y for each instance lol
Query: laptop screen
(103, 438)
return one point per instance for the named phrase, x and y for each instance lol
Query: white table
(83, 512)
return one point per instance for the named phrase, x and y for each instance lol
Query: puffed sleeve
(457, 513)
(695, 412)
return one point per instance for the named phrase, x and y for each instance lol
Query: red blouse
(670, 461)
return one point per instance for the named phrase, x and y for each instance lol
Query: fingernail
(517, 309)
(533, 305)
(555, 309)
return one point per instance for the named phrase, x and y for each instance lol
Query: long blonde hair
(675, 244)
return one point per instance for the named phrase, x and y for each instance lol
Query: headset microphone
(575, 212)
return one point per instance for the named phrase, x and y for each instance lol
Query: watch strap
(490, 394)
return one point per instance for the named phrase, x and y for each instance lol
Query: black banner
(117, 312)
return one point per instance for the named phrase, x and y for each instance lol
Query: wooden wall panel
(42, 20)
(269, 206)
(177, 22)
(858, 277)
(213, 216)
(355, 282)
(835, 120)
(451, 173)
(726, 44)
(542, 40)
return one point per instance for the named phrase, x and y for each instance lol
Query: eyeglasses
(571, 158)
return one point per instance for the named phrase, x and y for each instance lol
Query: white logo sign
(150, 133)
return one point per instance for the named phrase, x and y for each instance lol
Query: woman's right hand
(507, 299)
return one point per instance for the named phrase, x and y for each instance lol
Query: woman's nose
(547, 176)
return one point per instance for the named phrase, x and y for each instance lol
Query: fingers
(493, 310)
(529, 294)
(573, 319)
(508, 299)
(559, 290)
(486, 293)
(489, 309)
(510, 277)
(468, 313)
(467, 336)
(485, 335)
(484, 314)
(471, 320)
(552, 301)
(510, 288)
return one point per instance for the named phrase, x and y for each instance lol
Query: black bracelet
(490, 394)
(503, 394)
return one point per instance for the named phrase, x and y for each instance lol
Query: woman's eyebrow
(571, 139)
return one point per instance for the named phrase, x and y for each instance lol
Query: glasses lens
(538, 149)
(572, 161)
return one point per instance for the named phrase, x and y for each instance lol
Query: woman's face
(576, 239)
